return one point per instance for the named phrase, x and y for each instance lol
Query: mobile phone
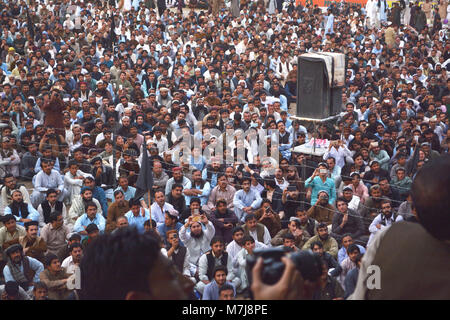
(323, 171)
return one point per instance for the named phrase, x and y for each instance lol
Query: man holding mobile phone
(320, 181)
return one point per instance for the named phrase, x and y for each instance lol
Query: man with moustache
(116, 209)
(33, 245)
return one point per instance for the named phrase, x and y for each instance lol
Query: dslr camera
(307, 263)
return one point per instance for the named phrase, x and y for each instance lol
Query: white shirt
(233, 248)
(69, 265)
(267, 237)
(378, 219)
(197, 246)
(157, 213)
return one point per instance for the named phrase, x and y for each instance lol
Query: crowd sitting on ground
(87, 89)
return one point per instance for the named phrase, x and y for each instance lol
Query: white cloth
(197, 246)
(157, 214)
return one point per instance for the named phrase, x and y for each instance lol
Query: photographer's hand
(287, 288)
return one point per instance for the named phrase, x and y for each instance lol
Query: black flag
(112, 33)
(144, 182)
(30, 25)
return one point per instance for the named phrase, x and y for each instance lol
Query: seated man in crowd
(15, 268)
(347, 221)
(176, 198)
(246, 200)
(268, 217)
(55, 278)
(347, 240)
(211, 259)
(48, 178)
(170, 223)
(223, 190)
(33, 245)
(72, 262)
(10, 184)
(211, 291)
(78, 207)
(22, 211)
(317, 247)
(330, 244)
(137, 215)
(73, 179)
(199, 188)
(91, 216)
(224, 220)
(178, 254)
(385, 219)
(258, 231)
(294, 227)
(159, 207)
(97, 193)
(104, 177)
(55, 234)
(50, 205)
(196, 239)
(322, 211)
(116, 210)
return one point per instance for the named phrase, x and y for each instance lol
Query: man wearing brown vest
(411, 259)
(258, 231)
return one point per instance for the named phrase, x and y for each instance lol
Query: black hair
(271, 182)
(90, 204)
(75, 245)
(248, 238)
(249, 217)
(321, 226)
(12, 288)
(225, 287)
(54, 215)
(50, 191)
(177, 185)
(134, 202)
(430, 197)
(123, 250)
(216, 239)
(316, 243)
(220, 268)
(237, 229)
(289, 236)
(117, 192)
(49, 258)
(39, 285)
(353, 247)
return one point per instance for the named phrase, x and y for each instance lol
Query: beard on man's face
(197, 234)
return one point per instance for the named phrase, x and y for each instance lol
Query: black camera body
(308, 263)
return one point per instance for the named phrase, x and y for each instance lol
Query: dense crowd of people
(92, 90)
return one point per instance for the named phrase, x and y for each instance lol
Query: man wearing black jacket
(104, 176)
(317, 247)
(224, 220)
(346, 221)
(176, 198)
